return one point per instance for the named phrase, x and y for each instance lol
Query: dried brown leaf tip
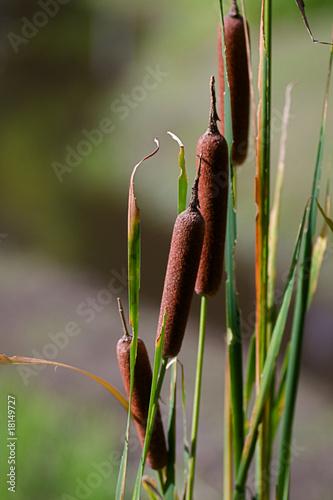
(212, 159)
(157, 454)
(181, 273)
(238, 73)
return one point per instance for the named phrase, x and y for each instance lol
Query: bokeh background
(73, 69)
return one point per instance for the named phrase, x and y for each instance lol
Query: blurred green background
(70, 70)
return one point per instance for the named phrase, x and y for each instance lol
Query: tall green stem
(262, 234)
(227, 437)
(197, 393)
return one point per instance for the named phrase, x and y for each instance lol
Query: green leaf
(275, 211)
(227, 437)
(320, 246)
(186, 443)
(262, 199)
(133, 229)
(196, 399)
(251, 372)
(280, 398)
(328, 221)
(169, 487)
(182, 179)
(134, 250)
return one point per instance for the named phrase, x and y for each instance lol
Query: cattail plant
(212, 155)
(181, 274)
(157, 454)
(257, 401)
(238, 73)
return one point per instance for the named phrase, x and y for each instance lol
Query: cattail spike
(212, 161)
(183, 262)
(157, 453)
(238, 73)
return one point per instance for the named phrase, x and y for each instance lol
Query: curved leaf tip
(175, 138)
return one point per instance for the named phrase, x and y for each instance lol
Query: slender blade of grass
(262, 198)
(169, 487)
(133, 225)
(302, 297)
(233, 316)
(320, 246)
(281, 395)
(196, 401)
(227, 448)
(186, 444)
(21, 360)
(328, 221)
(268, 371)
(134, 237)
(182, 179)
(262, 183)
(275, 212)
(250, 372)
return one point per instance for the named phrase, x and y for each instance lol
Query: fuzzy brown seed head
(182, 268)
(238, 73)
(212, 154)
(157, 454)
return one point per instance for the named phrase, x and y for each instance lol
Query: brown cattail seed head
(238, 73)
(212, 154)
(157, 454)
(182, 268)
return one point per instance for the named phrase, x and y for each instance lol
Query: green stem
(227, 438)
(161, 480)
(155, 406)
(263, 480)
(236, 390)
(197, 393)
(170, 470)
(234, 338)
